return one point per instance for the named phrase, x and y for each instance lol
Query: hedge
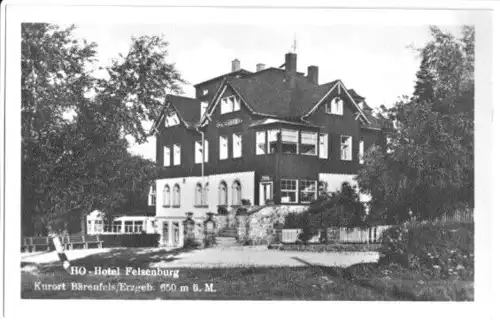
(445, 250)
(130, 240)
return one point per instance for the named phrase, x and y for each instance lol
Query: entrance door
(165, 233)
(265, 192)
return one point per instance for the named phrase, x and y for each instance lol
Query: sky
(379, 62)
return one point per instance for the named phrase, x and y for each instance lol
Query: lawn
(371, 282)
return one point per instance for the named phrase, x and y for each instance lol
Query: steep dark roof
(241, 72)
(269, 92)
(355, 95)
(188, 108)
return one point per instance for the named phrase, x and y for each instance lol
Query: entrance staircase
(227, 237)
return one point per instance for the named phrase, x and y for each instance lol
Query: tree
(428, 165)
(340, 209)
(74, 125)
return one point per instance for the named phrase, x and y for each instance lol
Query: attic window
(229, 104)
(205, 92)
(171, 120)
(336, 106)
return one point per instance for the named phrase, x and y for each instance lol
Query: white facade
(120, 225)
(189, 200)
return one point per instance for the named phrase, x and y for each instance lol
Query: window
(288, 191)
(361, 151)
(166, 156)
(323, 146)
(152, 195)
(108, 227)
(230, 104)
(98, 226)
(307, 191)
(336, 106)
(345, 147)
(198, 152)
(308, 143)
(177, 196)
(203, 106)
(223, 147)
(237, 145)
(223, 193)
(117, 226)
(205, 92)
(322, 188)
(260, 142)
(166, 195)
(198, 194)
(236, 193)
(138, 226)
(177, 154)
(290, 141)
(204, 198)
(171, 120)
(272, 140)
(129, 226)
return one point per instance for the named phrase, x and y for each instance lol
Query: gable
(338, 90)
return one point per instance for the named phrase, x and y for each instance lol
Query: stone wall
(259, 227)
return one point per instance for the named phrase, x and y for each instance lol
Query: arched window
(205, 195)
(236, 193)
(223, 193)
(198, 195)
(166, 195)
(177, 196)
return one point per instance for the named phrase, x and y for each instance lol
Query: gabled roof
(188, 110)
(241, 72)
(268, 92)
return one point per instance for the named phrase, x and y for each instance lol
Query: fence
(460, 216)
(340, 235)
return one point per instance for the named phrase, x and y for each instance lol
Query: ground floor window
(129, 226)
(138, 226)
(289, 191)
(307, 191)
(223, 193)
(117, 226)
(236, 192)
(98, 226)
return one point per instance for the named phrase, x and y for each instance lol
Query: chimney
(291, 62)
(312, 74)
(235, 65)
(260, 66)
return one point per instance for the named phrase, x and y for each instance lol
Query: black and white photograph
(328, 155)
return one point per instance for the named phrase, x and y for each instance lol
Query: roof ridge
(178, 96)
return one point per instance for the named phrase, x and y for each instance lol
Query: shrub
(130, 240)
(444, 250)
(190, 243)
(222, 210)
(241, 211)
(307, 233)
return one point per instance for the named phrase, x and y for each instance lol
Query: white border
(246, 315)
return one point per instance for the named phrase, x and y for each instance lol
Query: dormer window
(229, 104)
(171, 120)
(336, 106)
